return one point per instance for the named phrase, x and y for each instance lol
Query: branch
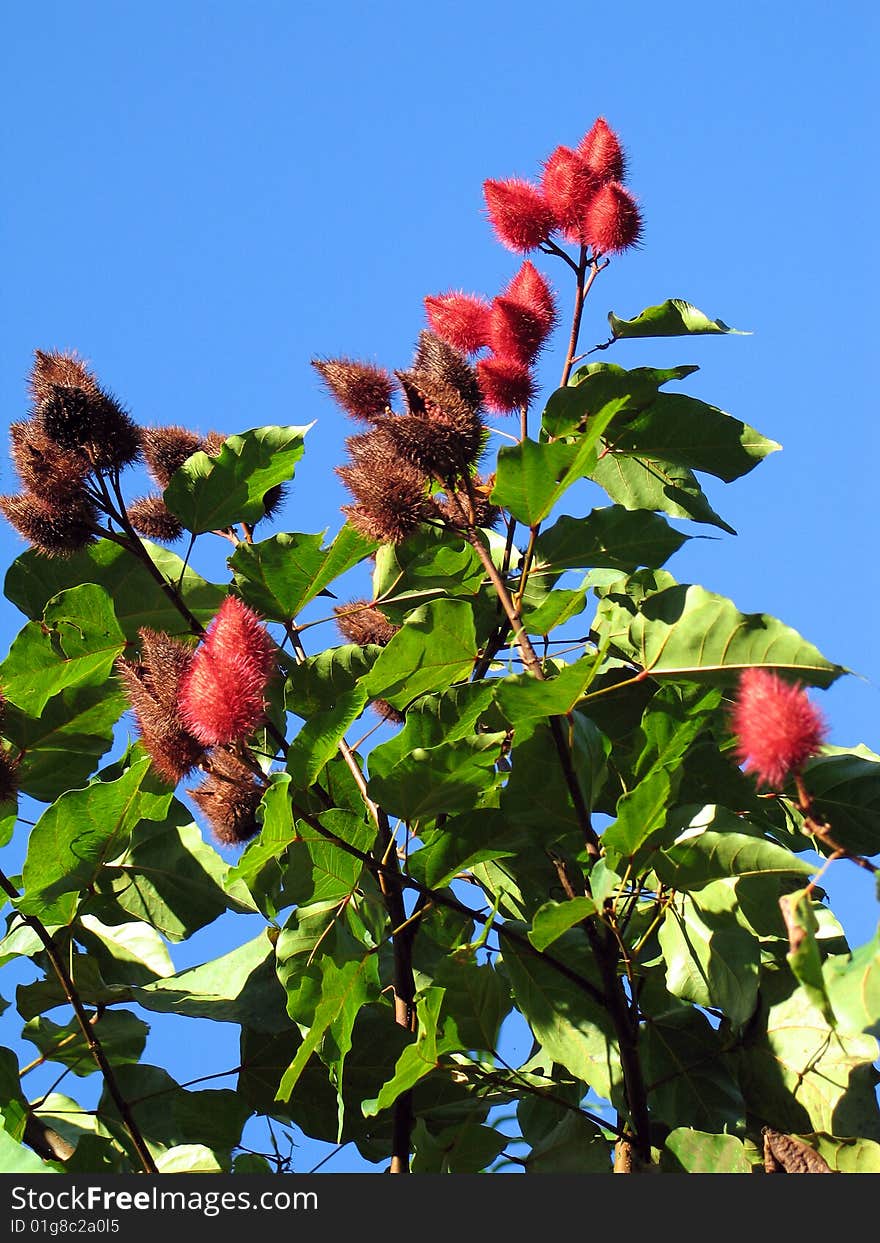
(86, 1027)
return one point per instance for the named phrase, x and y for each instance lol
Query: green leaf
(672, 318)
(210, 493)
(15, 1158)
(845, 786)
(714, 846)
(71, 842)
(542, 614)
(168, 1114)
(554, 918)
(343, 991)
(123, 1037)
(688, 632)
(238, 987)
(523, 697)
(805, 1075)
(75, 645)
(133, 950)
(418, 1059)
(476, 995)
(804, 956)
(62, 746)
(279, 576)
(646, 483)
(531, 476)
(325, 691)
(688, 1074)
(428, 565)
(691, 433)
(453, 776)
(138, 600)
(433, 719)
(457, 1149)
(598, 385)
(570, 1025)
(852, 985)
(695, 1152)
(616, 537)
(711, 958)
(845, 1155)
(169, 877)
(562, 1141)
(672, 721)
(190, 1159)
(434, 648)
(461, 842)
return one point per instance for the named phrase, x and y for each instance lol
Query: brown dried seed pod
(213, 443)
(437, 358)
(166, 449)
(55, 474)
(363, 390)
(361, 622)
(272, 501)
(228, 798)
(152, 685)
(94, 422)
(387, 712)
(784, 1154)
(51, 531)
(150, 516)
(8, 777)
(486, 514)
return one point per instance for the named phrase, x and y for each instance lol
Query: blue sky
(202, 197)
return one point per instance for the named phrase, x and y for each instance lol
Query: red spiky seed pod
(519, 213)
(613, 221)
(506, 383)
(387, 712)
(221, 694)
(462, 319)
(359, 621)
(435, 357)
(229, 798)
(601, 150)
(150, 516)
(530, 289)
(50, 530)
(569, 184)
(363, 390)
(166, 449)
(515, 332)
(777, 727)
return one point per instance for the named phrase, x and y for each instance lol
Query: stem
(822, 829)
(86, 1027)
(530, 660)
(403, 982)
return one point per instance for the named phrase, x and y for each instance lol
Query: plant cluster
(600, 807)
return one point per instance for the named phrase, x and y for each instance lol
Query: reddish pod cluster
(434, 443)
(514, 327)
(777, 727)
(192, 705)
(581, 197)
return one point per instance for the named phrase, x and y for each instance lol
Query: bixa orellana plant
(587, 800)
